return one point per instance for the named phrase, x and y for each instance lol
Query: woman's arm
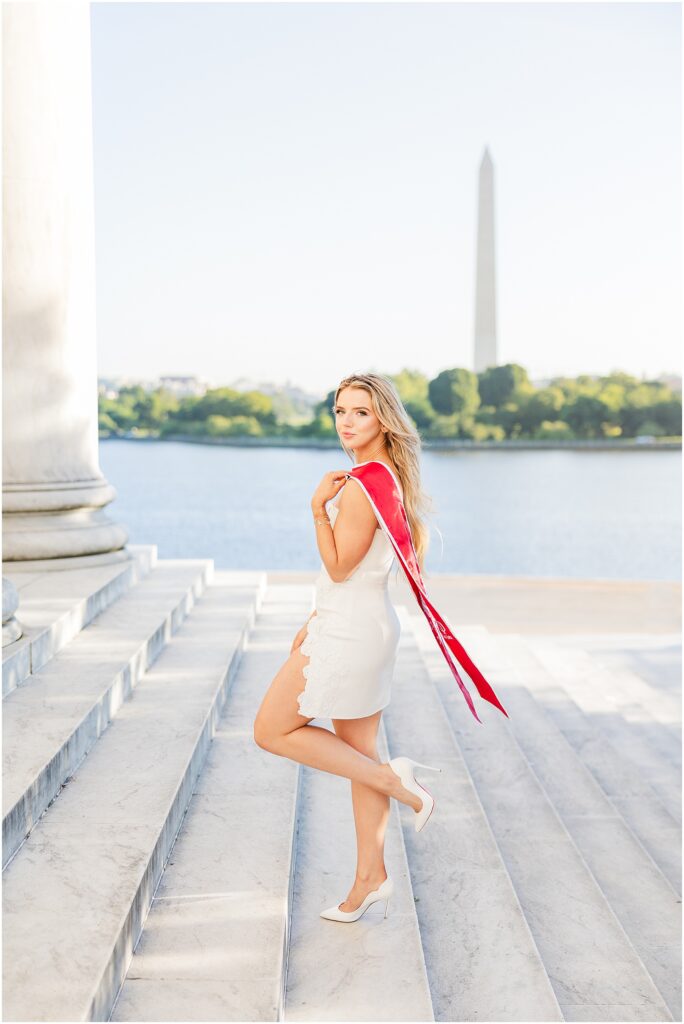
(355, 527)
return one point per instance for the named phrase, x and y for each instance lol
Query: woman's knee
(264, 735)
(269, 734)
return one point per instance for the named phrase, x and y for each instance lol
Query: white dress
(352, 640)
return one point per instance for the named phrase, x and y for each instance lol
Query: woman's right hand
(329, 486)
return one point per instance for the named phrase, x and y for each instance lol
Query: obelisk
(485, 280)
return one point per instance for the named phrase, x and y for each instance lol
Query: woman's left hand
(328, 488)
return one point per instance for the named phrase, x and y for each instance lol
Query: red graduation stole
(384, 493)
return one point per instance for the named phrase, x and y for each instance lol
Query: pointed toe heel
(383, 892)
(404, 768)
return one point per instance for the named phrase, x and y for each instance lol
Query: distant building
(288, 390)
(109, 387)
(184, 387)
(671, 380)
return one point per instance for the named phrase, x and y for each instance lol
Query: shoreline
(628, 444)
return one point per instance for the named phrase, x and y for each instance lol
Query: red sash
(384, 493)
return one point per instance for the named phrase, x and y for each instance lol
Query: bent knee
(263, 737)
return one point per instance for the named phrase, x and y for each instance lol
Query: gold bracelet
(321, 522)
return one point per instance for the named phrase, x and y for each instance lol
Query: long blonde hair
(403, 447)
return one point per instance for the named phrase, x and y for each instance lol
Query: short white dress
(352, 640)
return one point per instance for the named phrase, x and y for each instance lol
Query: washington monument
(485, 283)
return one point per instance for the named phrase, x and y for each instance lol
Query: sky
(288, 191)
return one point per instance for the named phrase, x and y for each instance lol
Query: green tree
(545, 404)
(553, 430)
(120, 413)
(420, 411)
(187, 409)
(412, 386)
(326, 406)
(487, 432)
(509, 418)
(229, 402)
(233, 426)
(651, 428)
(638, 406)
(623, 380)
(322, 425)
(153, 408)
(500, 384)
(668, 415)
(444, 426)
(193, 428)
(586, 415)
(454, 391)
(106, 425)
(487, 414)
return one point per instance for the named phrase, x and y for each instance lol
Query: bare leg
(371, 813)
(279, 728)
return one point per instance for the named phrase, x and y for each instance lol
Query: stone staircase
(159, 865)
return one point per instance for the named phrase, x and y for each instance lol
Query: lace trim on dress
(324, 674)
(326, 670)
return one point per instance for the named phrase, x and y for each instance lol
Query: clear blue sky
(287, 191)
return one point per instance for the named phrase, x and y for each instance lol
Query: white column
(53, 489)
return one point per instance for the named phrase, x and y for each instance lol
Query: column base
(78, 537)
(75, 562)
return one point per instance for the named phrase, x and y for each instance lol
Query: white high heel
(404, 768)
(382, 893)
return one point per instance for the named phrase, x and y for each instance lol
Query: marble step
(633, 692)
(214, 943)
(621, 781)
(656, 658)
(482, 959)
(77, 892)
(55, 606)
(228, 963)
(657, 712)
(637, 737)
(593, 966)
(643, 901)
(54, 717)
(372, 969)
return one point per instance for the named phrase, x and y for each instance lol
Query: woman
(341, 661)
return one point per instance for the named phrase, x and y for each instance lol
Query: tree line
(497, 404)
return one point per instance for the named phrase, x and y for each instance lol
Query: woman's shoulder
(384, 462)
(395, 473)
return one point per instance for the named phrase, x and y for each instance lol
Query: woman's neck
(381, 450)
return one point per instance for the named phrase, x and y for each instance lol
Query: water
(579, 514)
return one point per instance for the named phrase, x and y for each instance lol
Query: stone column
(53, 489)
